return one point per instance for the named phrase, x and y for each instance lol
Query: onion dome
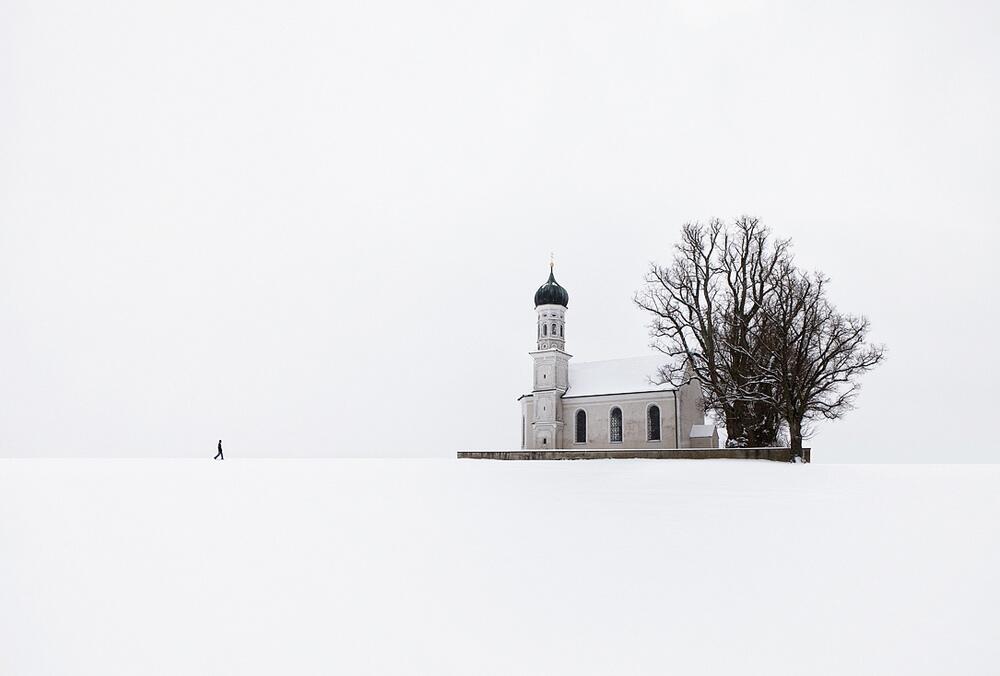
(550, 293)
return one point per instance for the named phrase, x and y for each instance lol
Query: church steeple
(551, 301)
(551, 368)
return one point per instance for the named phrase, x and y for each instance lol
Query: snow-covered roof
(616, 376)
(702, 431)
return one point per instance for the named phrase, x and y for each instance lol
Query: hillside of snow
(478, 567)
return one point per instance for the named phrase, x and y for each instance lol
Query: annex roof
(702, 431)
(616, 376)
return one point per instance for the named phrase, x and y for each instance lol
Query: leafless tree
(705, 308)
(812, 354)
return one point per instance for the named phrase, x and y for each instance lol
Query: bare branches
(734, 313)
(813, 354)
(704, 306)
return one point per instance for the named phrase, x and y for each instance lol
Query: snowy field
(477, 567)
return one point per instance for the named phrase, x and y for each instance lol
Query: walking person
(219, 456)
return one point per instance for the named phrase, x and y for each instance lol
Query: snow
(615, 376)
(479, 567)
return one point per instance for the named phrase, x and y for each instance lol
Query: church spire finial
(552, 261)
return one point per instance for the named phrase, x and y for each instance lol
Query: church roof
(616, 376)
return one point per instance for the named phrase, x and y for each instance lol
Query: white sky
(315, 228)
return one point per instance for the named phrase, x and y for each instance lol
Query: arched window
(653, 423)
(616, 425)
(553, 329)
(545, 329)
(581, 427)
(560, 332)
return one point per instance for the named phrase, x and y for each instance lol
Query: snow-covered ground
(477, 567)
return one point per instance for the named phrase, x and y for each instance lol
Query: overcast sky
(315, 228)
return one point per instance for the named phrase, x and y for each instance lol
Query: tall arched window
(545, 329)
(560, 332)
(653, 423)
(581, 427)
(616, 425)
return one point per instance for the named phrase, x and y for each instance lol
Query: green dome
(550, 293)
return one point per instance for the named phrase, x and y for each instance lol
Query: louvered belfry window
(616, 425)
(653, 423)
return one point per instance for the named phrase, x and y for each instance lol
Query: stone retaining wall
(776, 454)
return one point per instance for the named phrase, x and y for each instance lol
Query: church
(603, 404)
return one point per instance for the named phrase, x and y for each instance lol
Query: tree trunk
(795, 432)
(735, 424)
(761, 424)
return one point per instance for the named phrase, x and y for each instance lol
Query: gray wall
(776, 454)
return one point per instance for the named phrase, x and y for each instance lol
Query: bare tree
(812, 354)
(705, 308)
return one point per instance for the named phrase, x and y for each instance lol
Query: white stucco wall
(551, 370)
(634, 421)
(634, 409)
(527, 416)
(551, 328)
(692, 410)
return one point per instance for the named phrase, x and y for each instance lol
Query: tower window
(616, 425)
(545, 329)
(553, 329)
(560, 332)
(653, 423)
(581, 427)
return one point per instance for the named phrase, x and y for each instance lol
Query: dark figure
(218, 456)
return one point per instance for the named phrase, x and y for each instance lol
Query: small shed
(704, 436)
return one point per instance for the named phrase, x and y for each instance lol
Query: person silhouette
(219, 456)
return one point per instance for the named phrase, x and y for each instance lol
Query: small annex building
(603, 404)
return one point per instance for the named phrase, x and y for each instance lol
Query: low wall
(776, 454)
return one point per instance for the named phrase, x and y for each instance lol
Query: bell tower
(551, 366)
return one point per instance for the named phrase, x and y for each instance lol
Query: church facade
(603, 404)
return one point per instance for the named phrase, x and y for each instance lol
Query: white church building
(603, 404)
